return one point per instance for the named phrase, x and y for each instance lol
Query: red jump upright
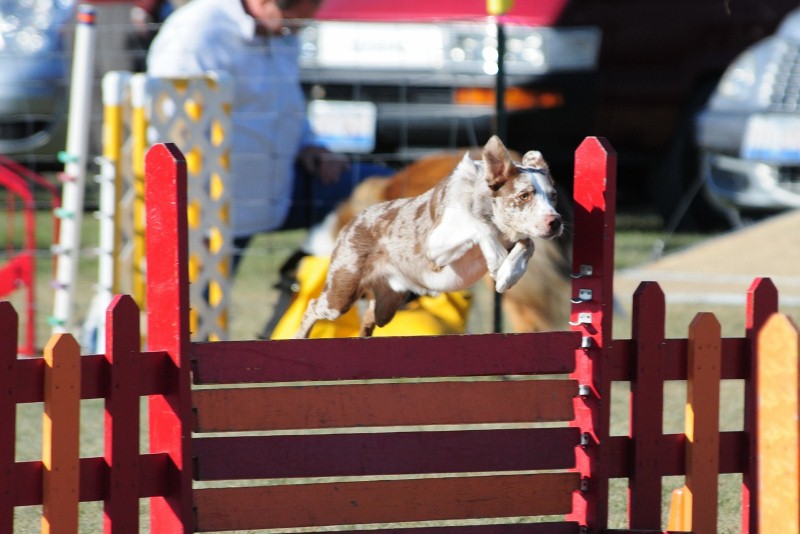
(167, 246)
(592, 316)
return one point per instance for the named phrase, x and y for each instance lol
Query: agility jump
(362, 431)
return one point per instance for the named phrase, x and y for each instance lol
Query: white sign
(772, 138)
(344, 126)
(380, 45)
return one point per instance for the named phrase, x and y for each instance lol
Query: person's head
(275, 15)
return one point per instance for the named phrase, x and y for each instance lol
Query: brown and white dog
(483, 217)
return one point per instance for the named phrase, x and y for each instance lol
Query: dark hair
(288, 4)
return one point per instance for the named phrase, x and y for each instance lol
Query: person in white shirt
(281, 177)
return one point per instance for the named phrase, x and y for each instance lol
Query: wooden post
(168, 330)
(680, 515)
(121, 507)
(779, 426)
(9, 330)
(647, 407)
(762, 301)
(60, 435)
(593, 272)
(702, 422)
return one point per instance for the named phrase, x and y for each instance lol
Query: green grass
(252, 300)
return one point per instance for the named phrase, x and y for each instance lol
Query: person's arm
(319, 161)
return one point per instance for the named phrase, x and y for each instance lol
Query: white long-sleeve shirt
(268, 116)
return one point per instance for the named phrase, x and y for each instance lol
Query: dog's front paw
(502, 283)
(507, 276)
(514, 266)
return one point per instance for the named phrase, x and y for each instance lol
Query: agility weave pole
(385, 408)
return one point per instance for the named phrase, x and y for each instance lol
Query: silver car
(749, 132)
(34, 67)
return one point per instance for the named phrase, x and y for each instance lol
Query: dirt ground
(720, 270)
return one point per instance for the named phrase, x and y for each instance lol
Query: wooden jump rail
(403, 432)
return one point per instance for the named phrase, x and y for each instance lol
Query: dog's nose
(556, 224)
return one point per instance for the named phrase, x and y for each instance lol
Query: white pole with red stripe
(75, 160)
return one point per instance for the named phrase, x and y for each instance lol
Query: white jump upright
(194, 113)
(75, 159)
(93, 331)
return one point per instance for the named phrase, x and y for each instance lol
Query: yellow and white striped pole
(139, 145)
(114, 88)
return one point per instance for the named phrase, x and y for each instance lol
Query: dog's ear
(533, 158)
(498, 163)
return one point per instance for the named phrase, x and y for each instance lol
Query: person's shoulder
(199, 24)
(204, 17)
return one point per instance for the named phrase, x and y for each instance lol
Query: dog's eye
(525, 196)
(553, 197)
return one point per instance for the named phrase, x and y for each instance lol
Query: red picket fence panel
(403, 433)
(120, 377)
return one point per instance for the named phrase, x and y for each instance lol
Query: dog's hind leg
(368, 320)
(310, 317)
(340, 292)
(318, 309)
(381, 309)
